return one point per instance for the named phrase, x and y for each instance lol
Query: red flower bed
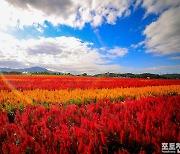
(59, 82)
(104, 127)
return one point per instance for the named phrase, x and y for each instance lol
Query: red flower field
(67, 82)
(130, 125)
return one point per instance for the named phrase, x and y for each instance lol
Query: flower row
(15, 99)
(60, 82)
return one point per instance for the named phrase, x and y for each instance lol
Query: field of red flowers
(107, 125)
(68, 82)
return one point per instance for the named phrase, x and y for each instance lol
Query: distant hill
(143, 75)
(30, 70)
(41, 70)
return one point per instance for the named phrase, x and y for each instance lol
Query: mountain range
(30, 70)
(124, 75)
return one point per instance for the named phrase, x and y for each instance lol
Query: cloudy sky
(91, 36)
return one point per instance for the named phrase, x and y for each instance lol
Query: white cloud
(155, 69)
(19, 13)
(157, 6)
(175, 58)
(162, 68)
(53, 7)
(12, 17)
(138, 44)
(119, 52)
(66, 54)
(163, 35)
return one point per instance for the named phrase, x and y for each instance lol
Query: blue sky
(91, 36)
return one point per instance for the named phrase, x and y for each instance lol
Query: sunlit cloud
(163, 35)
(59, 54)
